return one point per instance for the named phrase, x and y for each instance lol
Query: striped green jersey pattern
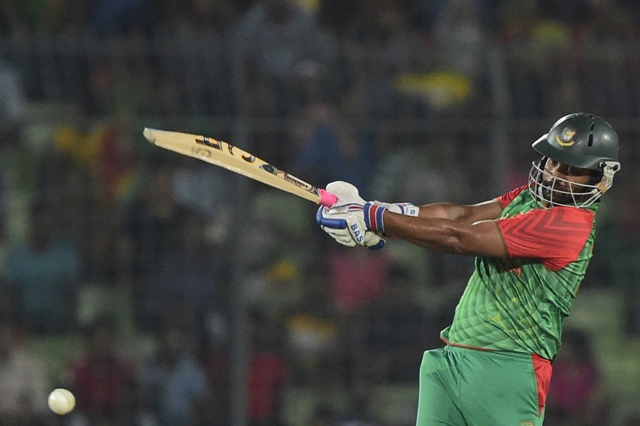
(517, 304)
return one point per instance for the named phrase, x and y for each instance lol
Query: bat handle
(327, 199)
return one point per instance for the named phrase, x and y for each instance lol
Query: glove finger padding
(335, 226)
(357, 228)
(373, 240)
(343, 236)
(330, 218)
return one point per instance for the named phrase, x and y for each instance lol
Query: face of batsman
(559, 184)
(580, 157)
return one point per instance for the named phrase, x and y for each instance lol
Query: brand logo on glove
(357, 234)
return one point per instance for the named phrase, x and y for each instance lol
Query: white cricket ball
(61, 401)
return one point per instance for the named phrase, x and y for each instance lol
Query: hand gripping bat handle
(327, 199)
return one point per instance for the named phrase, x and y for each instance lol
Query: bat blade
(232, 158)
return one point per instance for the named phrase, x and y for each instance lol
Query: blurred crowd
(120, 261)
(290, 53)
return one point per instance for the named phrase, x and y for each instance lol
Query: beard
(552, 191)
(558, 194)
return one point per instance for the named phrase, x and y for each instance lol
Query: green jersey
(519, 303)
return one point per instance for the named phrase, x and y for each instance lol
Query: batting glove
(335, 220)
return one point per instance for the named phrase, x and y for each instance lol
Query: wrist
(406, 209)
(374, 213)
(374, 216)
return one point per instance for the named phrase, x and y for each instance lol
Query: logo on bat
(289, 178)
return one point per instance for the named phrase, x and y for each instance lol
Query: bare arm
(487, 210)
(452, 228)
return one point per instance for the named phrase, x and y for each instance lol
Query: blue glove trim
(330, 223)
(380, 244)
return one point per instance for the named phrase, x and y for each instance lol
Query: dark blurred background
(165, 291)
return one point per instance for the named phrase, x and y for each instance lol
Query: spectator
(460, 37)
(384, 333)
(102, 379)
(43, 273)
(332, 149)
(357, 411)
(23, 20)
(174, 387)
(456, 60)
(384, 26)
(12, 103)
(218, 365)
(268, 372)
(609, 27)
(8, 308)
(323, 416)
(336, 15)
(524, 25)
(356, 278)
(23, 384)
(576, 394)
(632, 419)
(205, 70)
(314, 336)
(605, 21)
(186, 280)
(13, 160)
(152, 226)
(203, 189)
(403, 174)
(116, 17)
(381, 22)
(281, 42)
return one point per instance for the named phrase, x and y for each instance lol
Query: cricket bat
(232, 158)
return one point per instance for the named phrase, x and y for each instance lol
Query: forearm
(446, 235)
(468, 214)
(447, 227)
(434, 230)
(450, 211)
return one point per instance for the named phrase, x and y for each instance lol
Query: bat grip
(327, 199)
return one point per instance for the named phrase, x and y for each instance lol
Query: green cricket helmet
(579, 140)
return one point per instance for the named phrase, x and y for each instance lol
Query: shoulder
(507, 198)
(567, 216)
(577, 212)
(553, 220)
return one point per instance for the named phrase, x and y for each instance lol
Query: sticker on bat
(300, 183)
(210, 143)
(213, 143)
(289, 178)
(248, 158)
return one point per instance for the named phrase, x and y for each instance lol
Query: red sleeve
(507, 198)
(556, 236)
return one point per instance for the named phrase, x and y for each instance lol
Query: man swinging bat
(532, 248)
